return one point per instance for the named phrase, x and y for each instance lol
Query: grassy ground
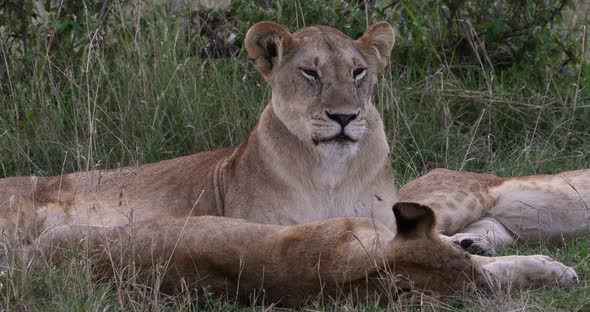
(137, 96)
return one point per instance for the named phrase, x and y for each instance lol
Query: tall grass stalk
(134, 92)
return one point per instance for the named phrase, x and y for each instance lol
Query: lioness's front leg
(526, 271)
(459, 200)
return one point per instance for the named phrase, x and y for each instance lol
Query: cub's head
(321, 79)
(426, 262)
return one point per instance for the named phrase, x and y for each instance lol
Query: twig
(536, 22)
(102, 14)
(392, 4)
(182, 231)
(476, 126)
(576, 92)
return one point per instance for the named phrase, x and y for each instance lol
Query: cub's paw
(474, 244)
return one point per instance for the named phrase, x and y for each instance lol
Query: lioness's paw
(529, 272)
(474, 244)
(554, 272)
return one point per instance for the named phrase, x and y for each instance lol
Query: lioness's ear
(379, 40)
(414, 220)
(266, 43)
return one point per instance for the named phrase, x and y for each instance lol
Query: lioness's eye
(359, 73)
(310, 74)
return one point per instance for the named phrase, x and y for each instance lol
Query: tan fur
(336, 259)
(451, 194)
(346, 258)
(284, 173)
(504, 210)
(301, 163)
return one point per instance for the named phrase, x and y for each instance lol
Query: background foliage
(490, 86)
(115, 83)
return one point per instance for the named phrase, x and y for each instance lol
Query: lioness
(337, 259)
(318, 151)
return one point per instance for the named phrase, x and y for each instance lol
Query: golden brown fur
(500, 211)
(342, 258)
(337, 259)
(318, 152)
(291, 169)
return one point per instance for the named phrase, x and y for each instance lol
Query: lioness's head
(321, 79)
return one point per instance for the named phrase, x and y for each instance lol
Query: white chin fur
(337, 151)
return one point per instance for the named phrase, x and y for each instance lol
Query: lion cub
(343, 258)
(484, 211)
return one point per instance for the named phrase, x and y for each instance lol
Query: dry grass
(133, 95)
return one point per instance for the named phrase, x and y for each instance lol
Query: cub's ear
(266, 43)
(378, 40)
(414, 220)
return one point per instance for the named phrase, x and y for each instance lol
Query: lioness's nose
(342, 119)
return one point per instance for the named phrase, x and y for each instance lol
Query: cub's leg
(459, 200)
(537, 208)
(526, 271)
(544, 208)
(483, 236)
(482, 212)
